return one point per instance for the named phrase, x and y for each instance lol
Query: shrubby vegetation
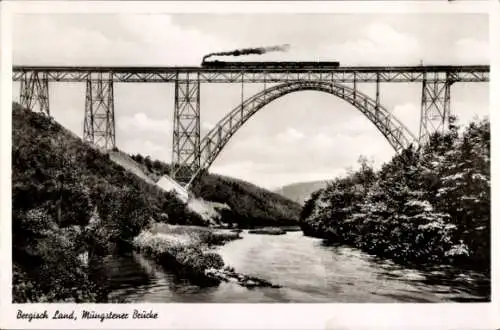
(176, 250)
(71, 204)
(251, 206)
(426, 206)
(184, 249)
(201, 236)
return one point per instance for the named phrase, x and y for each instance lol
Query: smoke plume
(249, 51)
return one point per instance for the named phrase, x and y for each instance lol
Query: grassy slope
(250, 205)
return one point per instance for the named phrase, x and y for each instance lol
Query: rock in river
(229, 275)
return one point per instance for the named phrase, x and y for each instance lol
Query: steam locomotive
(268, 65)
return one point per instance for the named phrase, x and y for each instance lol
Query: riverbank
(188, 251)
(183, 248)
(202, 236)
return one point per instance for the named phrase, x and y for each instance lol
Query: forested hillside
(70, 204)
(424, 206)
(250, 205)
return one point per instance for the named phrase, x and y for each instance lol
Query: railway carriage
(268, 65)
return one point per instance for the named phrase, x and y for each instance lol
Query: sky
(303, 136)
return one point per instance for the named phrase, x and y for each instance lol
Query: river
(307, 270)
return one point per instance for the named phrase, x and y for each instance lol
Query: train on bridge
(269, 65)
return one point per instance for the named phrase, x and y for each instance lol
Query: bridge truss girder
(186, 132)
(99, 122)
(34, 92)
(341, 74)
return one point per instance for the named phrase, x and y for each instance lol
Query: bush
(180, 252)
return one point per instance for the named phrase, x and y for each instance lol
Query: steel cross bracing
(186, 133)
(435, 109)
(34, 91)
(214, 141)
(99, 122)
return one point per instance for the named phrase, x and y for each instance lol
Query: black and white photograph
(249, 157)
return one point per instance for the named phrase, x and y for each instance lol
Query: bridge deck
(420, 68)
(467, 73)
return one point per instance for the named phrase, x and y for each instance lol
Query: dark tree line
(250, 205)
(425, 206)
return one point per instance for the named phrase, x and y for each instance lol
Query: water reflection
(308, 270)
(448, 282)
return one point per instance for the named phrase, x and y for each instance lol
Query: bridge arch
(397, 134)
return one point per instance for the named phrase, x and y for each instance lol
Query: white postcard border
(252, 316)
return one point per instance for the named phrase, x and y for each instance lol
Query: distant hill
(249, 204)
(301, 191)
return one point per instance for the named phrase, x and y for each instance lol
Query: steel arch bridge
(398, 136)
(191, 154)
